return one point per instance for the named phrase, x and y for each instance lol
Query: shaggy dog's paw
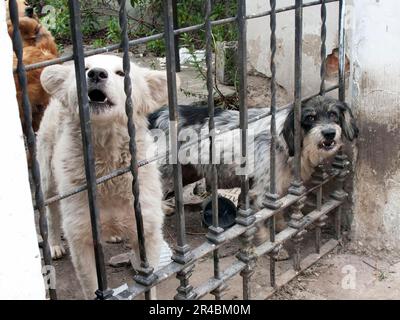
(168, 207)
(283, 255)
(114, 239)
(57, 251)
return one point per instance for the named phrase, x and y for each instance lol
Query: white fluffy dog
(60, 155)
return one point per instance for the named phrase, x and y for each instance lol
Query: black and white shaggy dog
(324, 122)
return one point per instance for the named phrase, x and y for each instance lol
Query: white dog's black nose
(97, 75)
(329, 134)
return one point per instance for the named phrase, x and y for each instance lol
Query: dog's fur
(39, 46)
(62, 165)
(22, 6)
(38, 97)
(34, 34)
(319, 115)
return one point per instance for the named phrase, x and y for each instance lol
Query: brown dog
(38, 97)
(35, 35)
(39, 46)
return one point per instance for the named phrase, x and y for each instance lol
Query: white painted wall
(20, 263)
(258, 42)
(375, 96)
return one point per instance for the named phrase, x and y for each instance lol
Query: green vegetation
(100, 24)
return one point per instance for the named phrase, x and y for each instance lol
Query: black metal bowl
(226, 212)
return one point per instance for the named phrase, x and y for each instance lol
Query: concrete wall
(375, 96)
(20, 263)
(259, 42)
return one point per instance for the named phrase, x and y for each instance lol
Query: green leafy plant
(99, 43)
(113, 30)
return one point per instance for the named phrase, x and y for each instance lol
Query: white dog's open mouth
(98, 100)
(327, 145)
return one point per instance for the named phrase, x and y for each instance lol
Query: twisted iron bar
(183, 254)
(323, 47)
(214, 231)
(145, 274)
(272, 197)
(30, 135)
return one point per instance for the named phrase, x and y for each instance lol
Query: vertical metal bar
(338, 223)
(182, 253)
(320, 170)
(272, 197)
(88, 154)
(318, 225)
(30, 135)
(341, 161)
(341, 164)
(214, 232)
(297, 187)
(323, 47)
(319, 176)
(145, 274)
(245, 215)
(176, 26)
(342, 55)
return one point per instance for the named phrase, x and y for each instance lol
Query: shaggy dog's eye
(120, 73)
(333, 117)
(310, 118)
(86, 68)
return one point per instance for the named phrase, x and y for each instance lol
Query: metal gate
(184, 258)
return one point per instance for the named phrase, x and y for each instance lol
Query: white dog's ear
(158, 86)
(53, 78)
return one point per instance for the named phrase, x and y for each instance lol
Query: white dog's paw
(57, 251)
(114, 239)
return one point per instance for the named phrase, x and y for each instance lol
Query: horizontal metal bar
(288, 8)
(141, 163)
(132, 43)
(213, 283)
(232, 233)
(159, 36)
(289, 232)
(305, 263)
(285, 235)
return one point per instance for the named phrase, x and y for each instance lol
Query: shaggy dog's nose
(97, 75)
(329, 134)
